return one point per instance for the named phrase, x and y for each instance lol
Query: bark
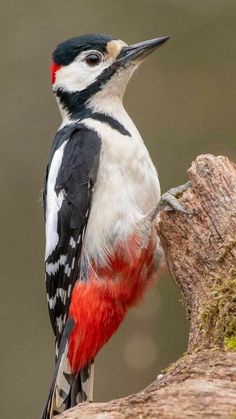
(201, 254)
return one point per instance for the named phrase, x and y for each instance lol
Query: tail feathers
(81, 389)
(86, 379)
(68, 389)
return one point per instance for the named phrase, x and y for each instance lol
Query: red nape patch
(54, 68)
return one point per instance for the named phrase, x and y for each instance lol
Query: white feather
(127, 188)
(54, 202)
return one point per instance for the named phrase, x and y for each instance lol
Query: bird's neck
(73, 109)
(104, 104)
(103, 96)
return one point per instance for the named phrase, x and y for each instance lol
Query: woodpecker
(100, 198)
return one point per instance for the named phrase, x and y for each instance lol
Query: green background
(183, 101)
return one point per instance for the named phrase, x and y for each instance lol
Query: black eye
(93, 59)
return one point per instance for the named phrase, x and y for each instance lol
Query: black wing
(75, 181)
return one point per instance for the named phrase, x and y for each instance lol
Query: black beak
(138, 51)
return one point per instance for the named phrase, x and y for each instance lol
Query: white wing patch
(54, 202)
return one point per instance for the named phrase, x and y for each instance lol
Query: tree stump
(200, 251)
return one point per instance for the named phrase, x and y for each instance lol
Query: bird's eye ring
(93, 59)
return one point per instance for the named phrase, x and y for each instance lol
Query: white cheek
(78, 75)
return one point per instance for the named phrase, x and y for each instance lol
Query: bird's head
(93, 68)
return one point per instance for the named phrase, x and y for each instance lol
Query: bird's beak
(137, 52)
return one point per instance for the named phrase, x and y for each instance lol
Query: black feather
(66, 52)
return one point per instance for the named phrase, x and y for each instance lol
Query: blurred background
(183, 102)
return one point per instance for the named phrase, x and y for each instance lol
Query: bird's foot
(169, 201)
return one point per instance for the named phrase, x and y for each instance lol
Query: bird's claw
(169, 201)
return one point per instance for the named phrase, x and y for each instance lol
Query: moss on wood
(218, 316)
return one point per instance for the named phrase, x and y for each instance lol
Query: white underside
(127, 188)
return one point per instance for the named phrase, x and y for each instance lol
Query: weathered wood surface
(201, 254)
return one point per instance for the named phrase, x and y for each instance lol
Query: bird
(101, 197)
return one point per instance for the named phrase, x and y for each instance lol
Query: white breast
(127, 188)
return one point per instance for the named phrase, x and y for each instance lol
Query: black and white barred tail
(67, 388)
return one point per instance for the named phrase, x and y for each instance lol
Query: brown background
(183, 102)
